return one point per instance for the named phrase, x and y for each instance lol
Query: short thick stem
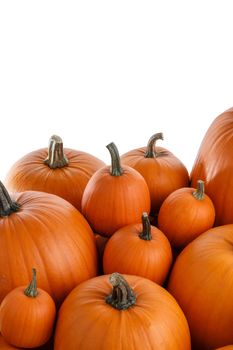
(116, 169)
(31, 291)
(146, 228)
(122, 296)
(199, 194)
(56, 157)
(150, 149)
(7, 206)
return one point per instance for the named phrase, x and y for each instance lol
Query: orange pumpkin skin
(5, 346)
(48, 233)
(87, 322)
(202, 283)
(31, 173)
(127, 253)
(163, 172)
(183, 217)
(214, 165)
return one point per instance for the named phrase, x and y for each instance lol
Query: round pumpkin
(161, 169)
(130, 313)
(64, 172)
(115, 196)
(201, 281)
(185, 214)
(45, 231)
(27, 316)
(139, 249)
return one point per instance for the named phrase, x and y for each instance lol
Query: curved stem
(56, 157)
(146, 228)
(116, 169)
(200, 191)
(7, 206)
(31, 290)
(150, 149)
(122, 296)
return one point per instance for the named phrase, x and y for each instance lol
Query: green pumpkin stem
(199, 193)
(31, 291)
(122, 296)
(116, 169)
(56, 157)
(7, 206)
(146, 228)
(150, 149)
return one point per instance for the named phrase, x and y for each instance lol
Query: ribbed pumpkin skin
(202, 283)
(182, 217)
(127, 253)
(49, 234)
(214, 165)
(26, 321)
(155, 322)
(5, 346)
(68, 182)
(111, 202)
(163, 174)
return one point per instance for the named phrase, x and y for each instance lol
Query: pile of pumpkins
(133, 255)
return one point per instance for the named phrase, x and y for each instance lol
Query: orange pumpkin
(214, 165)
(163, 172)
(45, 231)
(185, 214)
(202, 283)
(27, 316)
(139, 249)
(115, 196)
(64, 172)
(134, 313)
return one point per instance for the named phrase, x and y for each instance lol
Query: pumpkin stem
(146, 228)
(200, 191)
(31, 291)
(7, 206)
(116, 169)
(122, 296)
(56, 157)
(150, 149)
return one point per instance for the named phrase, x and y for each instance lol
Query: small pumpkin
(115, 196)
(161, 169)
(139, 249)
(185, 214)
(64, 172)
(27, 316)
(130, 313)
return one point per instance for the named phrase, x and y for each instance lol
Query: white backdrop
(94, 72)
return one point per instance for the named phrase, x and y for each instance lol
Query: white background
(94, 72)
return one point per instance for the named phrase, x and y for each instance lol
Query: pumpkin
(27, 316)
(64, 172)
(185, 214)
(45, 231)
(130, 313)
(115, 196)
(201, 280)
(162, 170)
(214, 165)
(139, 249)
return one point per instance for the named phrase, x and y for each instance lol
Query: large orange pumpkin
(132, 314)
(45, 231)
(214, 165)
(64, 172)
(162, 170)
(202, 282)
(115, 196)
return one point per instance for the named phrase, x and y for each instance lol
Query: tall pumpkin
(64, 172)
(45, 231)
(131, 313)
(214, 165)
